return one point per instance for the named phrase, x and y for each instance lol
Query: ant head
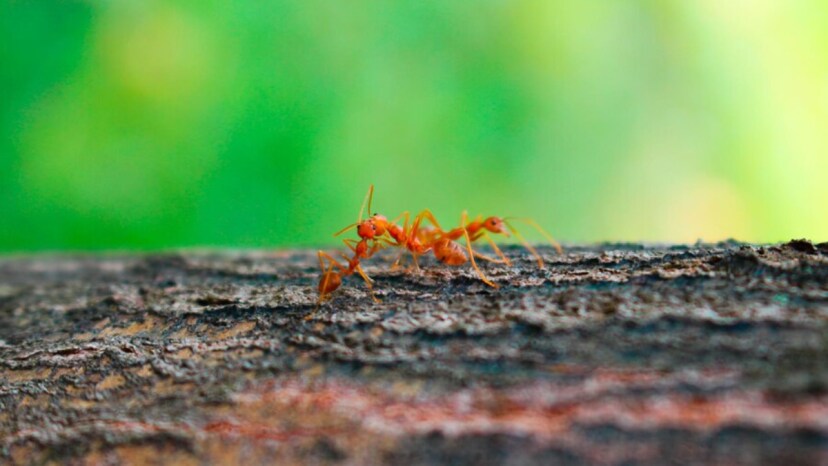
(372, 227)
(495, 225)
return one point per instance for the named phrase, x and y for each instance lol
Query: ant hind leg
(368, 283)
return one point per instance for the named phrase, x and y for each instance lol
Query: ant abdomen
(329, 282)
(449, 252)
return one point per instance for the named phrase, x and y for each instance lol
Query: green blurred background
(147, 125)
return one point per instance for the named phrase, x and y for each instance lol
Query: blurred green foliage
(261, 124)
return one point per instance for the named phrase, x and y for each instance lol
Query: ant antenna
(368, 198)
(526, 243)
(353, 225)
(543, 232)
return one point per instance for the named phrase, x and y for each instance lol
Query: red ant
(480, 228)
(444, 246)
(331, 280)
(368, 230)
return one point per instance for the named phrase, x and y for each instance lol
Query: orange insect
(420, 240)
(480, 228)
(444, 246)
(331, 279)
(369, 230)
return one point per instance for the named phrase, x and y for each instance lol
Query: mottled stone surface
(612, 354)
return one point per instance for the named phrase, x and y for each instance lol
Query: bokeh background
(148, 125)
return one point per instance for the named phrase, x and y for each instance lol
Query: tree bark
(618, 353)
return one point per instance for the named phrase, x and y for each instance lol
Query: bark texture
(612, 354)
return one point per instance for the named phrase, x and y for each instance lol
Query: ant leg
(343, 271)
(407, 218)
(376, 247)
(386, 241)
(398, 262)
(368, 283)
(426, 214)
(319, 256)
(348, 271)
(398, 217)
(350, 243)
(326, 273)
(415, 227)
(368, 280)
(332, 261)
(412, 233)
(471, 253)
(525, 243)
(324, 296)
(486, 258)
(502, 260)
(405, 215)
(497, 250)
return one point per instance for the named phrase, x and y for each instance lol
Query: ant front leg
(407, 233)
(427, 215)
(416, 262)
(471, 253)
(397, 263)
(402, 215)
(503, 259)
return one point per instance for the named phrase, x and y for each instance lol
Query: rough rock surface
(612, 354)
